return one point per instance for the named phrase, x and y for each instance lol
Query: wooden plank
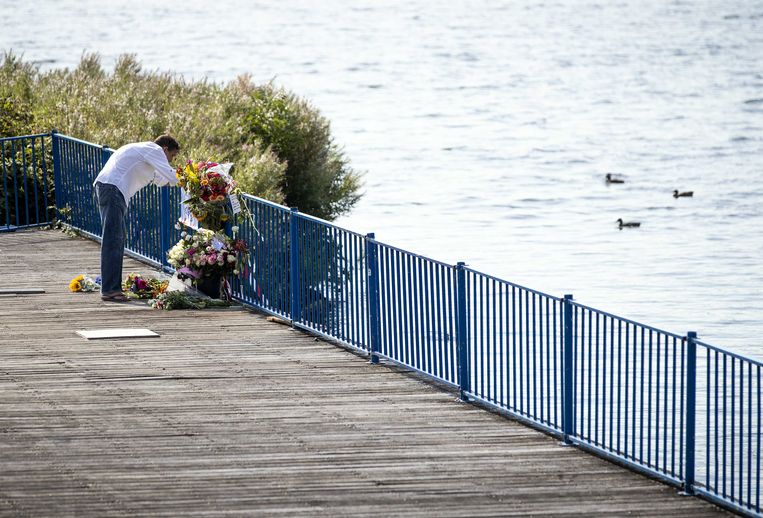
(227, 413)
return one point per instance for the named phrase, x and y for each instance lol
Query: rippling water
(486, 128)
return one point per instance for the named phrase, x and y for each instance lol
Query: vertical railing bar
(534, 369)
(479, 352)
(568, 398)
(597, 396)
(26, 187)
(691, 394)
(682, 409)
(674, 405)
(641, 401)
(429, 297)
(372, 293)
(666, 403)
(461, 317)
(708, 450)
(452, 316)
(749, 436)
(514, 365)
(526, 346)
(590, 366)
(725, 385)
(34, 182)
(619, 384)
(547, 375)
(15, 183)
(503, 340)
(399, 317)
(44, 179)
(558, 310)
(741, 431)
(5, 187)
(442, 330)
(417, 312)
(716, 407)
(760, 426)
(494, 325)
(732, 451)
(627, 369)
(410, 320)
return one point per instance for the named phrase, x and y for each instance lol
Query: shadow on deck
(227, 413)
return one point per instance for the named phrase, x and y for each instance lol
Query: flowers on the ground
(84, 283)
(138, 286)
(181, 300)
(210, 191)
(206, 253)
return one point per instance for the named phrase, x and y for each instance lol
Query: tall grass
(280, 144)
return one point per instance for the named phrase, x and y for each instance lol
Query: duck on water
(609, 178)
(627, 224)
(685, 194)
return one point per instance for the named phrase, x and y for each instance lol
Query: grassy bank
(280, 144)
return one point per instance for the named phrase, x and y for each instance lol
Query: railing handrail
(20, 137)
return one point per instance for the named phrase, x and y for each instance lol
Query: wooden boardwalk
(229, 414)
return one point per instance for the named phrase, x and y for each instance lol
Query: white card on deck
(95, 334)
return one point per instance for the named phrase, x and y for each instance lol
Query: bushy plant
(319, 180)
(281, 146)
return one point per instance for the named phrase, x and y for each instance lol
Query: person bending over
(131, 168)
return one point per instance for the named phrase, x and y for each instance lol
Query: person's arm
(164, 174)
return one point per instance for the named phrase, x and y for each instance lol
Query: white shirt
(134, 166)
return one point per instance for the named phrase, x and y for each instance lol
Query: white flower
(178, 226)
(234, 229)
(231, 258)
(183, 233)
(235, 272)
(187, 238)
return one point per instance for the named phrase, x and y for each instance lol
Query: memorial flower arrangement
(212, 196)
(206, 253)
(138, 286)
(180, 300)
(84, 283)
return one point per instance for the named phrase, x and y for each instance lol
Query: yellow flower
(75, 285)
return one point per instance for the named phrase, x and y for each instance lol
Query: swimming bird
(611, 179)
(685, 194)
(627, 224)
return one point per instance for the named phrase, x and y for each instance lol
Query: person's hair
(167, 141)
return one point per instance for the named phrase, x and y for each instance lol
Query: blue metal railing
(27, 182)
(666, 405)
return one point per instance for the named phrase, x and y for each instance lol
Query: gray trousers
(112, 205)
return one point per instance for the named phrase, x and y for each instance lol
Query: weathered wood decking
(229, 414)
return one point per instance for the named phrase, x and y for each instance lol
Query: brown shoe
(114, 297)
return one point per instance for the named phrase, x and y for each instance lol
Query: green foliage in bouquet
(282, 146)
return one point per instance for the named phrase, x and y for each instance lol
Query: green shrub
(319, 180)
(281, 146)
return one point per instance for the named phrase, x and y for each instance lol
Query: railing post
(294, 266)
(691, 405)
(105, 155)
(568, 423)
(462, 340)
(58, 194)
(165, 226)
(372, 294)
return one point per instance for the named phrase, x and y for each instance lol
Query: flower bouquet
(206, 254)
(84, 283)
(137, 286)
(212, 196)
